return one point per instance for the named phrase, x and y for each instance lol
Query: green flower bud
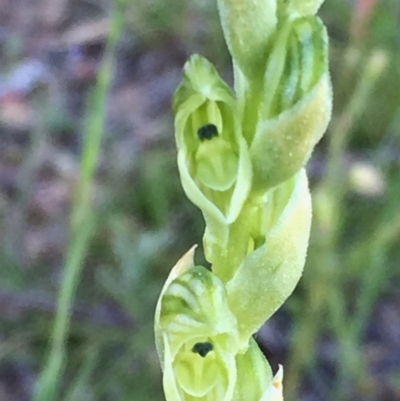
(247, 27)
(296, 103)
(197, 336)
(213, 158)
(277, 252)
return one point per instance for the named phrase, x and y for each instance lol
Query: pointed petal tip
(185, 262)
(275, 391)
(278, 378)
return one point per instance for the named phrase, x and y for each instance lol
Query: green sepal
(296, 106)
(269, 274)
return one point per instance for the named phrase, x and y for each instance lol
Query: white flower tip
(184, 263)
(275, 391)
(278, 378)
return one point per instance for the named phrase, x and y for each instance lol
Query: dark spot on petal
(202, 348)
(207, 132)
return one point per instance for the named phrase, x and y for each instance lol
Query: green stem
(82, 219)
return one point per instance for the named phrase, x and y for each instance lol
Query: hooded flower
(198, 343)
(196, 335)
(213, 158)
(295, 106)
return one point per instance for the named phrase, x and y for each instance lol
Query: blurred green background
(90, 200)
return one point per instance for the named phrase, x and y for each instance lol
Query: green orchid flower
(198, 342)
(197, 337)
(295, 105)
(213, 157)
(282, 82)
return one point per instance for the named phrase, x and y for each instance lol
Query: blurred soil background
(338, 335)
